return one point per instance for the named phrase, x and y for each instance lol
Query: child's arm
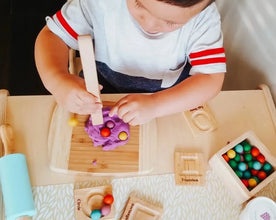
(51, 56)
(192, 92)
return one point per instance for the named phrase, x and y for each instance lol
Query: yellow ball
(73, 122)
(231, 154)
(123, 136)
(252, 182)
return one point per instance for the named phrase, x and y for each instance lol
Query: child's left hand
(135, 109)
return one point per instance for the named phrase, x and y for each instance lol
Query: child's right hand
(71, 93)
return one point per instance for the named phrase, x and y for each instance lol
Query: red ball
(254, 172)
(261, 175)
(245, 182)
(255, 152)
(261, 158)
(105, 132)
(226, 158)
(108, 199)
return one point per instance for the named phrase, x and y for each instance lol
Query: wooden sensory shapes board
(137, 209)
(88, 199)
(72, 150)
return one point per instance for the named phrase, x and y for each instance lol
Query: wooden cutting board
(72, 150)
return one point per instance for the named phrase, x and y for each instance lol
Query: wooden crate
(239, 191)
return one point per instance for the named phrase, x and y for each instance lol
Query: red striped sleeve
(208, 61)
(207, 53)
(66, 26)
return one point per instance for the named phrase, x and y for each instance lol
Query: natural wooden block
(88, 199)
(201, 119)
(238, 190)
(189, 169)
(137, 209)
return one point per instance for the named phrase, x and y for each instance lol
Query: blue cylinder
(16, 187)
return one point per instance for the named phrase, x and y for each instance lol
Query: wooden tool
(90, 72)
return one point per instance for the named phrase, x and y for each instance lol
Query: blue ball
(257, 165)
(239, 148)
(96, 214)
(242, 166)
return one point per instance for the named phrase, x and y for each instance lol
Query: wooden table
(235, 112)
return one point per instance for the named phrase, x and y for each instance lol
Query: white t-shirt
(124, 47)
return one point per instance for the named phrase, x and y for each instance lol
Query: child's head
(156, 16)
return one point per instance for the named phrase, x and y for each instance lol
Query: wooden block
(188, 168)
(201, 120)
(88, 199)
(238, 190)
(90, 72)
(137, 209)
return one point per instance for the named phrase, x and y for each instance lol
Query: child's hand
(71, 93)
(135, 109)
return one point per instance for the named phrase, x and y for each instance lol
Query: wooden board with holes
(71, 150)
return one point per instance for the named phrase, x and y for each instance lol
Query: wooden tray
(71, 149)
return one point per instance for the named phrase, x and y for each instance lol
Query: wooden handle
(90, 72)
(6, 134)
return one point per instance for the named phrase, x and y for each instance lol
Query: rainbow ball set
(248, 163)
(105, 209)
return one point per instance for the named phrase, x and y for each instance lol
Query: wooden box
(234, 183)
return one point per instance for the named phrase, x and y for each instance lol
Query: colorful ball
(246, 146)
(226, 158)
(250, 164)
(261, 175)
(105, 132)
(261, 158)
(231, 154)
(108, 199)
(254, 172)
(233, 164)
(242, 166)
(110, 124)
(255, 151)
(245, 182)
(95, 214)
(246, 174)
(252, 182)
(239, 173)
(73, 122)
(123, 136)
(248, 157)
(257, 165)
(267, 167)
(237, 158)
(239, 148)
(105, 210)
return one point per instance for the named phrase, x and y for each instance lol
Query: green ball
(233, 164)
(237, 158)
(246, 146)
(267, 167)
(248, 157)
(247, 174)
(239, 173)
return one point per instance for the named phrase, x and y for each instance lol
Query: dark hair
(184, 3)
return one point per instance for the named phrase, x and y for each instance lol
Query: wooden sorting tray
(238, 190)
